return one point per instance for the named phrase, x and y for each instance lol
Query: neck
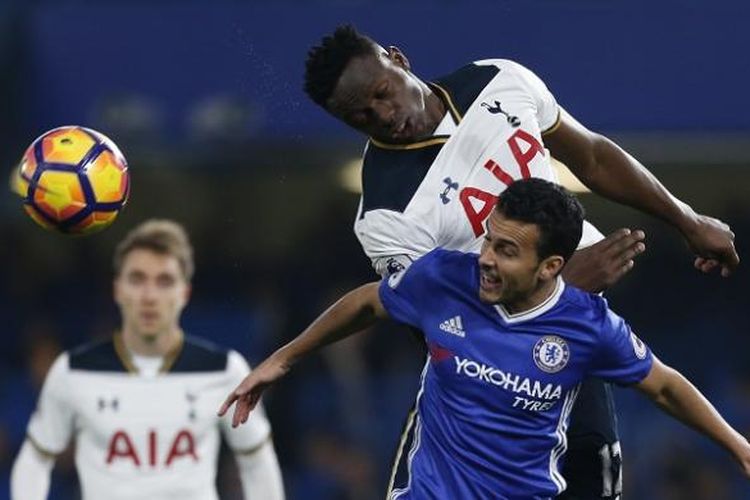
(151, 345)
(543, 292)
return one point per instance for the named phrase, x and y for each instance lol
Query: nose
(148, 292)
(485, 258)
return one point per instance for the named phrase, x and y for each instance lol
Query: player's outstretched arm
(30, 477)
(601, 265)
(611, 172)
(355, 311)
(677, 396)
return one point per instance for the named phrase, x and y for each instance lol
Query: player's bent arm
(355, 311)
(611, 172)
(30, 477)
(671, 391)
(260, 473)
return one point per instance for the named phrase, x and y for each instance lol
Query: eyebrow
(504, 241)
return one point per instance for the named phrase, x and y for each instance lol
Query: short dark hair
(164, 237)
(557, 213)
(326, 62)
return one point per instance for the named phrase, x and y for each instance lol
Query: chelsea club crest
(551, 353)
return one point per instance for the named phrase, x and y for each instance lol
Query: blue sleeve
(622, 357)
(403, 293)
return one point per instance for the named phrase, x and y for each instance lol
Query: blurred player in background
(439, 153)
(141, 406)
(509, 345)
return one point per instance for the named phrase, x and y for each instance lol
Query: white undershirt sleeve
(52, 423)
(30, 477)
(260, 473)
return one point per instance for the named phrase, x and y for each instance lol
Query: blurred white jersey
(439, 191)
(143, 437)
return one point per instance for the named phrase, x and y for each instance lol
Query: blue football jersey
(497, 389)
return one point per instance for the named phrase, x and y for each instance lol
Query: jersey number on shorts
(469, 195)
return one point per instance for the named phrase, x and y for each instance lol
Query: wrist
(285, 357)
(687, 220)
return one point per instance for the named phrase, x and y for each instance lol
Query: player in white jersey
(141, 407)
(440, 152)
(509, 345)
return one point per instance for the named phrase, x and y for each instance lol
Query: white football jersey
(439, 191)
(140, 437)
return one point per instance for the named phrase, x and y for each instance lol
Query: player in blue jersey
(509, 345)
(440, 151)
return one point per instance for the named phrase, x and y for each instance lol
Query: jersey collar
(127, 360)
(535, 311)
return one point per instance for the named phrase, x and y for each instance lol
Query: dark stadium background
(205, 100)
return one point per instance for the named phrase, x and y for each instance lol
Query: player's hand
(248, 393)
(601, 265)
(712, 241)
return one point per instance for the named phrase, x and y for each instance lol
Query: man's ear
(398, 57)
(551, 267)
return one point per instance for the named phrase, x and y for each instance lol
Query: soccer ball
(73, 180)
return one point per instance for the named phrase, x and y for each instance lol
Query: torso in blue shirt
(497, 389)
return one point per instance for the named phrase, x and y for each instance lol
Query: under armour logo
(449, 185)
(513, 120)
(191, 398)
(103, 403)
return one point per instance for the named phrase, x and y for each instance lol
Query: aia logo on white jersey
(551, 353)
(122, 448)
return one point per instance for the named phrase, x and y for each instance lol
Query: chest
(147, 420)
(496, 143)
(478, 361)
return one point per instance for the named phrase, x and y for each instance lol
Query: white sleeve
(385, 235)
(260, 474)
(257, 430)
(30, 477)
(547, 109)
(385, 266)
(51, 424)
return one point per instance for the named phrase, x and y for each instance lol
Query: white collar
(535, 311)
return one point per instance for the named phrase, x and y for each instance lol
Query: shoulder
(99, 356)
(594, 306)
(199, 355)
(444, 263)
(464, 85)
(60, 367)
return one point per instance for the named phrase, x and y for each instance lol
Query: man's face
(509, 265)
(378, 95)
(151, 292)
